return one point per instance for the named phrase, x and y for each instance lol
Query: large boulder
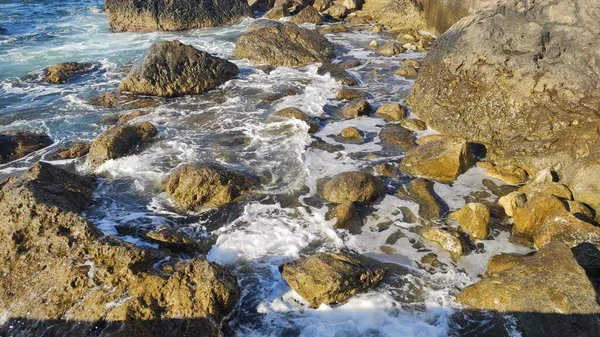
(329, 278)
(567, 228)
(199, 186)
(353, 187)
(550, 282)
(18, 144)
(283, 44)
(119, 141)
(171, 68)
(63, 277)
(161, 15)
(442, 159)
(528, 86)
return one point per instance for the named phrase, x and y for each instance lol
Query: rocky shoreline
(511, 89)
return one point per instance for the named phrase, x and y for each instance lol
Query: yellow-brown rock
(474, 219)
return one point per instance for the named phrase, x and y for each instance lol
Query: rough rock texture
(63, 72)
(63, 277)
(356, 108)
(351, 133)
(447, 240)
(307, 15)
(17, 144)
(583, 178)
(534, 189)
(171, 68)
(394, 135)
(392, 112)
(116, 99)
(509, 174)
(346, 217)
(390, 49)
(298, 114)
(511, 201)
(413, 124)
(336, 11)
(421, 192)
(354, 187)
(530, 217)
(283, 44)
(73, 150)
(197, 186)
(329, 278)
(442, 159)
(345, 94)
(400, 15)
(528, 86)
(333, 28)
(338, 73)
(159, 15)
(119, 141)
(551, 281)
(474, 219)
(568, 229)
(277, 12)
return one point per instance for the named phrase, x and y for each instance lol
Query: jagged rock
(530, 217)
(567, 228)
(447, 240)
(283, 44)
(356, 108)
(406, 71)
(174, 240)
(509, 174)
(353, 187)
(308, 15)
(346, 217)
(474, 219)
(579, 209)
(298, 114)
(119, 141)
(165, 15)
(511, 201)
(413, 124)
(421, 192)
(333, 28)
(336, 11)
(171, 68)
(64, 72)
(338, 73)
(442, 159)
(199, 186)
(18, 144)
(384, 170)
(72, 151)
(329, 278)
(77, 274)
(533, 189)
(400, 15)
(391, 112)
(548, 282)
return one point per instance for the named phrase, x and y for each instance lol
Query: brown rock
(551, 188)
(509, 174)
(583, 178)
(336, 11)
(529, 218)
(75, 150)
(356, 108)
(384, 170)
(321, 5)
(567, 228)
(511, 201)
(344, 94)
(64, 72)
(413, 124)
(390, 49)
(406, 71)
(421, 192)
(308, 15)
(334, 28)
(351, 133)
(124, 118)
(277, 12)
(338, 73)
(347, 217)
(394, 135)
(298, 114)
(353, 187)
(119, 141)
(392, 112)
(18, 144)
(115, 99)
(448, 241)
(474, 219)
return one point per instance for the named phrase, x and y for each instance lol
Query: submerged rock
(353, 187)
(164, 15)
(18, 144)
(64, 72)
(442, 159)
(119, 141)
(327, 278)
(78, 273)
(283, 44)
(308, 15)
(551, 281)
(298, 114)
(198, 186)
(171, 68)
(338, 73)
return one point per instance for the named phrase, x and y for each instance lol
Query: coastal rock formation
(72, 150)
(198, 186)
(474, 219)
(18, 144)
(397, 137)
(160, 15)
(308, 15)
(119, 141)
(391, 112)
(528, 86)
(283, 44)
(171, 68)
(338, 73)
(531, 216)
(298, 114)
(346, 217)
(356, 108)
(450, 242)
(329, 278)
(353, 187)
(567, 228)
(63, 277)
(64, 72)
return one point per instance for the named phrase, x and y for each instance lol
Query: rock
(430, 204)
(391, 112)
(277, 96)
(350, 64)
(321, 5)
(277, 12)
(413, 124)
(199, 186)
(511, 201)
(171, 68)
(125, 117)
(261, 5)
(334, 28)
(115, 99)
(18, 144)
(400, 15)
(543, 176)
(406, 71)
(320, 144)
(353, 187)
(353, 4)
(556, 189)
(377, 28)
(72, 151)
(394, 135)
(164, 15)
(78, 273)
(442, 159)
(474, 219)
(410, 63)
(529, 101)
(307, 15)
(356, 108)
(567, 228)
(502, 262)
(588, 257)
(284, 44)
(580, 210)
(338, 73)
(548, 282)
(174, 240)
(448, 241)
(347, 217)
(355, 20)
(329, 278)
(530, 217)
(298, 114)
(390, 49)
(351, 133)
(349, 94)
(65, 72)
(336, 11)
(583, 178)
(119, 141)
(509, 174)
(384, 170)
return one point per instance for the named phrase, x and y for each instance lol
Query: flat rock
(119, 141)
(395, 136)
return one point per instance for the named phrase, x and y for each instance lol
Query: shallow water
(285, 220)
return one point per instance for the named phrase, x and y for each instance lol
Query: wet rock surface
(64, 72)
(17, 144)
(353, 187)
(119, 141)
(298, 114)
